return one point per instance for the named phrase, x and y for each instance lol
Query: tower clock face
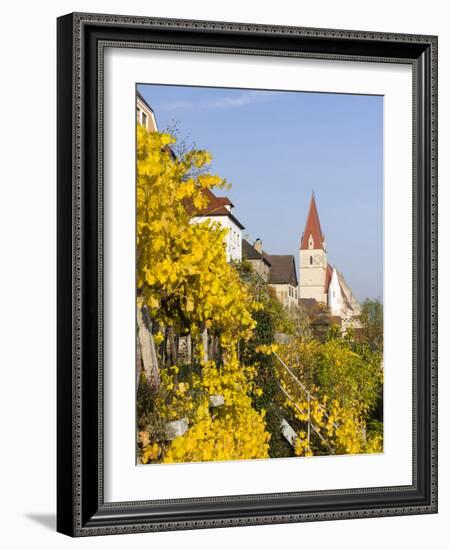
(317, 259)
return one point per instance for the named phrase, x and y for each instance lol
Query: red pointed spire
(313, 228)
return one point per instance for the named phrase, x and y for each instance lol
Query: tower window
(311, 260)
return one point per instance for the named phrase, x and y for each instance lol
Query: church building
(318, 279)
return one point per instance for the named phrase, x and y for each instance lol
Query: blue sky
(276, 148)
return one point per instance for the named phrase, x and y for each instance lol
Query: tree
(187, 287)
(372, 321)
(344, 380)
(272, 318)
(233, 401)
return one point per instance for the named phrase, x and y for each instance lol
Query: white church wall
(335, 298)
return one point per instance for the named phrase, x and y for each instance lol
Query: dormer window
(311, 242)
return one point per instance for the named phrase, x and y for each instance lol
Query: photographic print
(259, 274)
(247, 274)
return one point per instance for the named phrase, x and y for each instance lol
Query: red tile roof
(216, 206)
(313, 228)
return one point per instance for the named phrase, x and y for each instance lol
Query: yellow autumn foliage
(340, 407)
(182, 273)
(186, 283)
(188, 287)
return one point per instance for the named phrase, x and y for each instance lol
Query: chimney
(258, 245)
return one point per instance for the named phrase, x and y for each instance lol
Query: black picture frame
(81, 510)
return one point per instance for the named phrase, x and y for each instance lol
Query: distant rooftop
(250, 253)
(216, 206)
(283, 269)
(313, 228)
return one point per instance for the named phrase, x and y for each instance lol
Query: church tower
(313, 258)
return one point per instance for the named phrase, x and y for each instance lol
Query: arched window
(311, 260)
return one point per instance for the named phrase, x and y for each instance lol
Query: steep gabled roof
(348, 296)
(283, 269)
(216, 206)
(313, 228)
(143, 100)
(250, 253)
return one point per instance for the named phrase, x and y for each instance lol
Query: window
(311, 260)
(144, 119)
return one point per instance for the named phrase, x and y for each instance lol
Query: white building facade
(144, 114)
(233, 235)
(219, 210)
(342, 302)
